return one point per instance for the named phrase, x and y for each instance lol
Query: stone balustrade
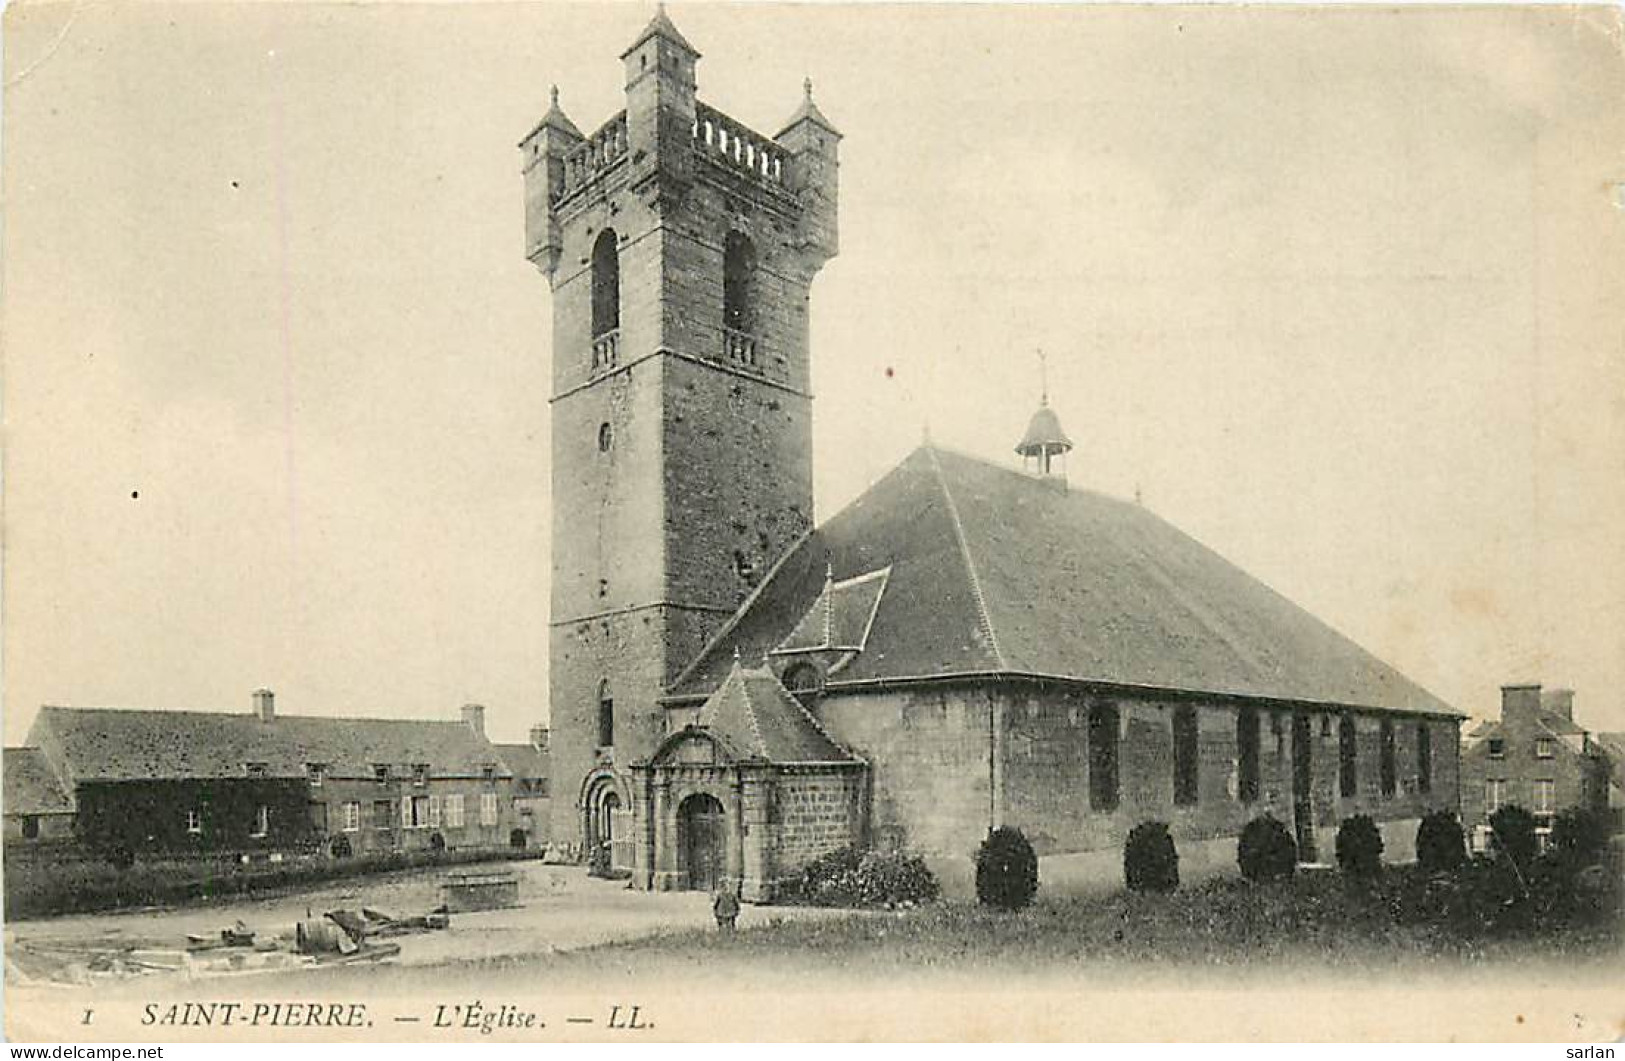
(600, 151)
(719, 137)
(606, 351)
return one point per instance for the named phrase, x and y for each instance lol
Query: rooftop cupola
(1044, 440)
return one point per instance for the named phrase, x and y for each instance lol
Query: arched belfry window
(738, 275)
(606, 716)
(606, 284)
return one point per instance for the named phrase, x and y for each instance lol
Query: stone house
(1535, 756)
(259, 782)
(532, 795)
(37, 810)
(734, 690)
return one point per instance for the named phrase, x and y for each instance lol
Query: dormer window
(1545, 748)
(380, 772)
(315, 773)
(489, 772)
(420, 774)
(256, 769)
(1498, 748)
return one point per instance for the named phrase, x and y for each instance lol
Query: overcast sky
(1336, 291)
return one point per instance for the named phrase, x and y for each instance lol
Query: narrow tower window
(606, 284)
(606, 437)
(738, 270)
(606, 716)
(1247, 754)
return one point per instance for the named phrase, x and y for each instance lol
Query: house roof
(31, 786)
(523, 760)
(757, 718)
(1613, 748)
(996, 572)
(114, 744)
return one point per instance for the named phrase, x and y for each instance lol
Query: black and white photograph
(625, 522)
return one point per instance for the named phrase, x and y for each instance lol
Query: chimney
(265, 705)
(1521, 701)
(538, 737)
(474, 715)
(1559, 702)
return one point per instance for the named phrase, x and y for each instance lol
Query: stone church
(735, 690)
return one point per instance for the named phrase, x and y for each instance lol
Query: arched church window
(1186, 755)
(738, 274)
(606, 716)
(1103, 757)
(803, 680)
(606, 284)
(606, 437)
(1247, 754)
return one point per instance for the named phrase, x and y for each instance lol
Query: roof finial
(553, 95)
(806, 87)
(829, 572)
(1138, 499)
(736, 653)
(1043, 379)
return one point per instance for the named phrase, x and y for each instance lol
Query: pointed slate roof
(113, 744)
(994, 572)
(809, 112)
(661, 26)
(31, 786)
(757, 718)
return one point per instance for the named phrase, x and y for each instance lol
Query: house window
(255, 769)
(1495, 791)
(383, 814)
(488, 808)
(30, 827)
(318, 816)
(1386, 769)
(416, 812)
(1498, 748)
(1247, 754)
(540, 785)
(606, 284)
(380, 772)
(434, 812)
(1424, 758)
(606, 716)
(194, 821)
(1348, 777)
(1185, 756)
(454, 811)
(1103, 757)
(262, 821)
(1545, 796)
(1545, 748)
(316, 772)
(489, 772)
(420, 774)
(352, 816)
(738, 270)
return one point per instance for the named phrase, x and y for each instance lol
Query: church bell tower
(680, 247)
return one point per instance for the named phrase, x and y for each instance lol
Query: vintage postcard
(633, 523)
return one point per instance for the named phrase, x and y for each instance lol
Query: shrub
(1579, 838)
(1006, 870)
(1512, 831)
(1359, 846)
(341, 847)
(1266, 850)
(120, 856)
(1441, 846)
(849, 877)
(1150, 862)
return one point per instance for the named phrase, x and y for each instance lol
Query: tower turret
(814, 143)
(545, 149)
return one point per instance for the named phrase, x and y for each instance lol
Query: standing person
(725, 905)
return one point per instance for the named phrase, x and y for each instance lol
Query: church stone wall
(814, 814)
(930, 757)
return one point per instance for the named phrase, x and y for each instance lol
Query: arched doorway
(700, 840)
(603, 820)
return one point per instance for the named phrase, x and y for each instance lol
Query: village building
(259, 782)
(734, 691)
(532, 803)
(1538, 757)
(37, 809)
